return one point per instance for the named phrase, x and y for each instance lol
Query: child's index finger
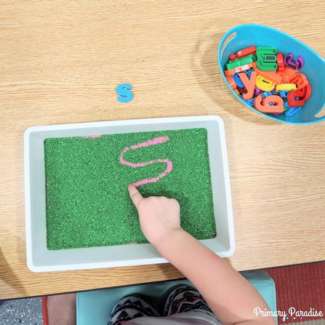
(135, 195)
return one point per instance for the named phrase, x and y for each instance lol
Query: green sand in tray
(87, 202)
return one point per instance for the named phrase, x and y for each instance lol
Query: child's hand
(159, 216)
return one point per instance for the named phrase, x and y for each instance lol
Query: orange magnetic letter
(271, 104)
(249, 84)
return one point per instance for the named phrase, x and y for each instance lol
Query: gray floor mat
(21, 312)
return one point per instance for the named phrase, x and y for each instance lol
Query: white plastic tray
(40, 259)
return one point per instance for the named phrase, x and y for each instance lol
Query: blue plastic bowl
(242, 36)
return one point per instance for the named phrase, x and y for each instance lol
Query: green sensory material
(87, 202)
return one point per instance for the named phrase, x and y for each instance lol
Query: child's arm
(229, 295)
